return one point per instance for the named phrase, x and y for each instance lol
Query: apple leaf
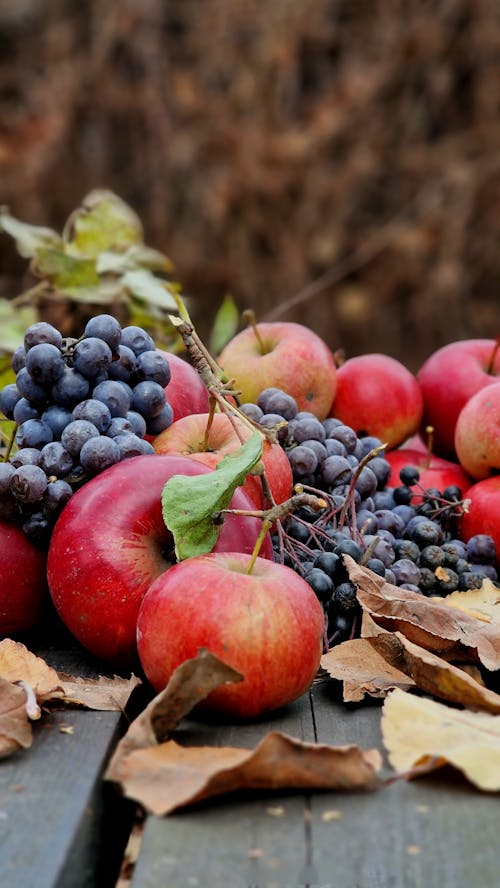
(103, 222)
(225, 325)
(28, 238)
(189, 503)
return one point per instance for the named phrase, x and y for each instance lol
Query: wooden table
(61, 825)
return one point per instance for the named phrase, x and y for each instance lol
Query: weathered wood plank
(60, 825)
(238, 843)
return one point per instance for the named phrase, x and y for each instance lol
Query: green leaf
(189, 502)
(28, 238)
(152, 290)
(13, 322)
(225, 325)
(136, 257)
(103, 222)
(65, 272)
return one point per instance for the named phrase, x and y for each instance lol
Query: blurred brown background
(334, 162)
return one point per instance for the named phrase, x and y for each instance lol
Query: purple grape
(26, 456)
(70, 389)
(28, 484)
(18, 359)
(57, 495)
(481, 549)
(381, 469)
(56, 460)
(57, 417)
(137, 422)
(76, 434)
(303, 461)
(406, 571)
(99, 453)
(6, 472)
(152, 365)
(388, 520)
(130, 445)
(105, 327)
(24, 410)
(39, 332)
(335, 470)
(273, 400)
(45, 363)
(366, 482)
(252, 411)
(148, 399)
(113, 394)
(161, 421)
(30, 389)
(33, 433)
(346, 435)
(91, 357)
(93, 411)
(9, 396)
(123, 365)
(119, 425)
(137, 339)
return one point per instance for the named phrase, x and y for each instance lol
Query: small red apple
(186, 437)
(433, 470)
(287, 356)
(379, 396)
(267, 624)
(186, 393)
(110, 542)
(23, 581)
(483, 513)
(477, 433)
(448, 378)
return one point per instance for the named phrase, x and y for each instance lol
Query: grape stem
(279, 511)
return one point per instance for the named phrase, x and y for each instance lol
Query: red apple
(287, 356)
(477, 433)
(378, 395)
(434, 471)
(448, 378)
(186, 437)
(483, 514)
(267, 624)
(109, 544)
(186, 393)
(23, 581)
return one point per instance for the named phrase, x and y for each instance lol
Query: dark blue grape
(9, 396)
(307, 429)
(318, 447)
(425, 533)
(334, 447)
(57, 495)
(93, 411)
(70, 389)
(123, 365)
(469, 580)
(453, 551)
(366, 482)
(303, 461)
(427, 583)
(446, 581)
(137, 422)
(30, 389)
(6, 472)
(99, 453)
(382, 549)
(321, 584)
(345, 596)
(406, 571)
(91, 357)
(273, 400)
(481, 549)
(76, 434)
(366, 521)
(154, 366)
(24, 410)
(350, 547)
(56, 460)
(131, 445)
(377, 566)
(381, 469)
(39, 332)
(335, 470)
(486, 571)
(57, 417)
(389, 520)
(402, 495)
(432, 556)
(45, 363)
(18, 359)
(252, 411)
(405, 512)
(369, 443)
(137, 339)
(409, 475)
(33, 433)
(26, 456)
(119, 425)
(114, 395)
(106, 327)
(148, 399)
(161, 421)
(407, 549)
(329, 562)
(28, 484)
(346, 436)
(383, 499)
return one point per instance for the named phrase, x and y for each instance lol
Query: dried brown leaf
(434, 675)
(15, 728)
(483, 603)
(17, 663)
(421, 734)
(428, 622)
(190, 683)
(107, 694)
(363, 670)
(169, 776)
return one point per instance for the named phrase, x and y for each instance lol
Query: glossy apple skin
(268, 625)
(296, 360)
(448, 378)
(483, 515)
(186, 393)
(379, 396)
(109, 544)
(434, 471)
(23, 581)
(186, 437)
(477, 433)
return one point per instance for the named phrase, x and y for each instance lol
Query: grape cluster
(80, 406)
(409, 538)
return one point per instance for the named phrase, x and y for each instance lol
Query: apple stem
(248, 317)
(429, 431)
(266, 524)
(212, 403)
(491, 366)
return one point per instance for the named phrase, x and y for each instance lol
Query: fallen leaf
(363, 670)
(483, 603)
(423, 734)
(166, 777)
(17, 663)
(428, 622)
(15, 728)
(191, 682)
(109, 694)
(434, 675)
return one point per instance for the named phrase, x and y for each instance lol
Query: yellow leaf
(421, 732)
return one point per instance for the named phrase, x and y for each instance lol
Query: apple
(267, 624)
(285, 355)
(186, 393)
(186, 437)
(434, 471)
(379, 396)
(477, 433)
(23, 581)
(483, 513)
(448, 378)
(110, 542)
